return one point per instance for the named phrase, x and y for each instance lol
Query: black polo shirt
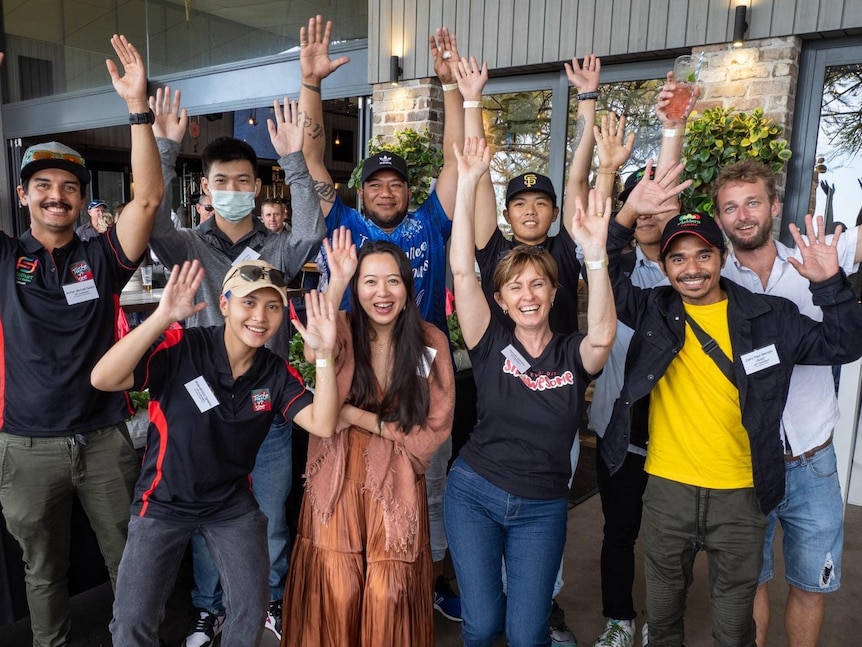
(564, 315)
(47, 345)
(197, 463)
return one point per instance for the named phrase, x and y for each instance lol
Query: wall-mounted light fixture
(252, 118)
(740, 24)
(395, 70)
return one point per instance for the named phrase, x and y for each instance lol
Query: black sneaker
(206, 628)
(445, 600)
(273, 618)
(561, 635)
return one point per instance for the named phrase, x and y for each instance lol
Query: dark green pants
(679, 521)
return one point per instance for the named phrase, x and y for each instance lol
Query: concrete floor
(580, 598)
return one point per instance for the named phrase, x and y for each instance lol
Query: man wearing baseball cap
(710, 363)
(60, 437)
(91, 229)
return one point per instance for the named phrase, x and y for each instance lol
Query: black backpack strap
(711, 348)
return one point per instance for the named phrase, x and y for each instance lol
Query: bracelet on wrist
(600, 172)
(471, 104)
(596, 265)
(586, 96)
(379, 428)
(448, 87)
(321, 362)
(138, 118)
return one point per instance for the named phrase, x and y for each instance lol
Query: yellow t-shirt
(695, 423)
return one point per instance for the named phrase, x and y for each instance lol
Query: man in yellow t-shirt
(712, 362)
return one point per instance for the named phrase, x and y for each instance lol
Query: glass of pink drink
(685, 76)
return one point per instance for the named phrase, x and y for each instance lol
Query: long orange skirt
(343, 588)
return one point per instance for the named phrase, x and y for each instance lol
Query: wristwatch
(147, 117)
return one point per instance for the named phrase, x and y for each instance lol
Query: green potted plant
(721, 136)
(424, 161)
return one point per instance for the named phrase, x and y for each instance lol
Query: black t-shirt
(58, 315)
(564, 315)
(197, 464)
(526, 422)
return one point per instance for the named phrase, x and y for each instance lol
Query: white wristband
(322, 363)
(673, 132)
(596, 265)
(472, 104)
(448, 87)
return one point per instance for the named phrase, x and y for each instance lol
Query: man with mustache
(710, 364)
(60, 437)
(811, 513)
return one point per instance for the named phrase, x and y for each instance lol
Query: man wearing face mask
(232, 236)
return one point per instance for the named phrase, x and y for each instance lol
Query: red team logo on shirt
(260, 400)
(81, 271)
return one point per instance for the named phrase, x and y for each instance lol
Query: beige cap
(246, 277)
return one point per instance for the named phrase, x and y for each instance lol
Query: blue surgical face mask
(233, 206)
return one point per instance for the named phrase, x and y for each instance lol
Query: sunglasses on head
(253, 273)
(53, 155)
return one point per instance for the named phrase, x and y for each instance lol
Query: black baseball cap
(530, 182)
(695, 223)
(384, 161)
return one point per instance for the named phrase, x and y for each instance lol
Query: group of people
(703, 376)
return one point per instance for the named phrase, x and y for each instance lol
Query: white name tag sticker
(202, 394)
(759, 359)
(424, 368)
(80, 292)
(248, 254)
(511, 353)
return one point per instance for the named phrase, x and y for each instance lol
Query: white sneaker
(645, 635)
(617, 633)
(206, 628)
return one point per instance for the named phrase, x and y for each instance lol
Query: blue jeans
(271, 480)
(812, 517)
(484, 525)
(149, 566)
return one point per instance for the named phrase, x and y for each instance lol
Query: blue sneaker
(446, 601)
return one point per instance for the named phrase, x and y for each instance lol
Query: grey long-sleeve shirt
(217, 252)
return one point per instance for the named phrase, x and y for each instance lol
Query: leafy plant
(424, 161)
(140, 399)
(296, 358)
(456, 339)
(722, 136)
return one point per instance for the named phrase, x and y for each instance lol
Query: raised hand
(444, 50)
(341, 255)
(319, 332)
(178, 299)
(664, 97)
(584, 78)
(171, 121)
(471, 78)
(474, 160)
(657, 194)
(132, 85)
(314, 61)
(819, 258)
(286, 131)
(613, 145)
(590, 225)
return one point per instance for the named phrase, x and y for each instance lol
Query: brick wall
(416, 104)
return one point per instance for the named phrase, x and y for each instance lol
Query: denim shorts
(812, 518)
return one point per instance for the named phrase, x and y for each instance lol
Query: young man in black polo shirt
(59, 299)
(213, 395)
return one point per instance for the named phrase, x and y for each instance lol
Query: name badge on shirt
(424, 368)
(80, 292)
(202, 394)
(248, 254)
(511, 353)
(759, 359)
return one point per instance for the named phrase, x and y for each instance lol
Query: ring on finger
(447, 55)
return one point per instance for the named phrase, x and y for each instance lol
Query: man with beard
(710, 363)
(812, 509)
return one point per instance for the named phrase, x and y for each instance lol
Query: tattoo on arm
(579, 132)
(325, 191)
(313, 88)
(316, 131)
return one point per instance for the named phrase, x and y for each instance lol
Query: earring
(505, 311)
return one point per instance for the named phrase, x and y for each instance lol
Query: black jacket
(756, 321)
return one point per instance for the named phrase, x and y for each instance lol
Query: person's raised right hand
(314, 61)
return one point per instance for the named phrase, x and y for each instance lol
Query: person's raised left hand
(285, 132)
(319, 331)
(585, 77)
(590, 225)
(444, 50)
(178, 298)
(171, 122)
(819, 258)
(132, 85)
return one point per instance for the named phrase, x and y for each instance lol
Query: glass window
(59, 46)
